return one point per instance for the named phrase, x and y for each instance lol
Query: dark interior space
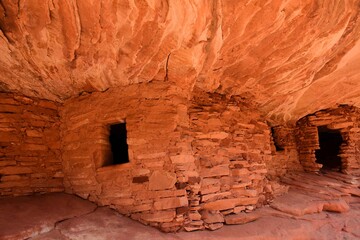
(276, 140)
(119, 147)
(327, 155)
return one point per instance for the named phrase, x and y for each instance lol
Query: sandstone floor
(317, 206)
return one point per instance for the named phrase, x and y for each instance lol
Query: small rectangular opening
(276, 140)
(119, 147)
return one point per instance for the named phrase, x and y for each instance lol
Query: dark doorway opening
(119, 147)
(330, 142)
(276, 140)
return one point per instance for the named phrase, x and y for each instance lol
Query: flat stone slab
(102, 224)
(52, 235)
(298, 204)
(241, 218)
(65, 217)
(24, 217)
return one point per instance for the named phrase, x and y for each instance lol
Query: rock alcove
(180, 115)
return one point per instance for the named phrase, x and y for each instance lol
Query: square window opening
(118, 143)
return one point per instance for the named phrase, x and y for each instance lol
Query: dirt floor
(317, 207)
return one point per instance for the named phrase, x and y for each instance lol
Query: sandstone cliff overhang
(292, 58)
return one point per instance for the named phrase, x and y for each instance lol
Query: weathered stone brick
(140, 179)
(161, 180)
(229, 203)
(167, 203)
(15, 170)
(221, 170)
(160, 216)
(182, 159)
(211, 216)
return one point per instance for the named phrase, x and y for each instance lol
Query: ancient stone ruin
(180, 115)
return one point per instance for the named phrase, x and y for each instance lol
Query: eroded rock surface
(24, 217)
(65, 217)
(314, 193)
(291, 57)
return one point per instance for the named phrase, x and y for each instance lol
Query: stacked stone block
(231, 145)
(308, 143)
(346, 120)
(153, 187)
(191, 163)
(286, 157)
(30, 160)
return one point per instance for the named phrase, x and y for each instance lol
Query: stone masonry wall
(285, 153)
(346, 120)
(29, 146)
(231, 145)
(192, 163)
(151, 188)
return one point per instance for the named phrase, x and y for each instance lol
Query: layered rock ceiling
(291, 57)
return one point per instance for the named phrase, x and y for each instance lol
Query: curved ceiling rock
(291, 57)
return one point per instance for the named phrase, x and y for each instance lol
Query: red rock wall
(148, 188)
(346, 120)
(286, 157)
(29, 146)
(189, 160)
(231, 144)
